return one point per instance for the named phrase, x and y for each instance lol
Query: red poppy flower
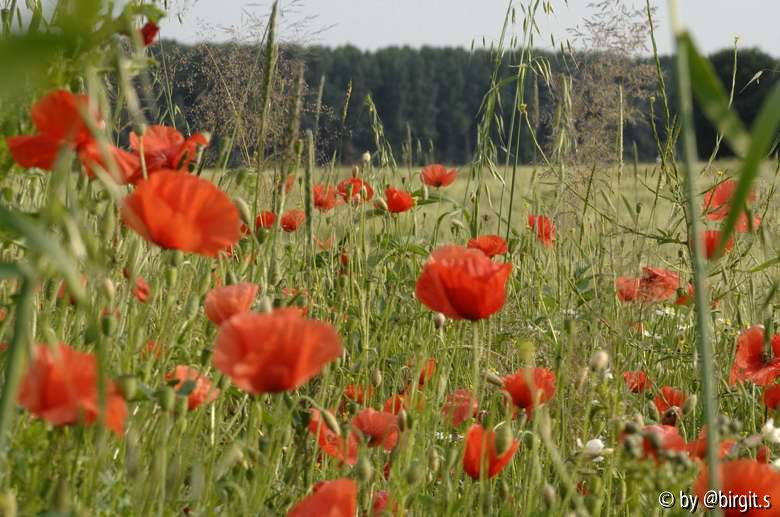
(685, 297)
(141, 290)
(165, 147)
(377, 427)
(271, 353)
(58, 119)
(462, 283)
(543, 227)
(637, 382)
(490, 245)
(222, 303)
(528, 397)
(332, 499)
(744, 480)
(437, 175)
(460, 406)
(426, 374)
(752, 362)
(627, 288)
(355, 190)
(669, 397)
(395, 404)
(771, 397)
(667, 438)
(202, 393)
(324, 197)
(292, 220)
(149, 32)
(717, 206)
(698, 447)
(358, 393)
(121, 166)
(481, 447)
(382, 505)
(712, 241)
(265, 220)
(60, 386)
(657, 284)
(398, 201)
(180, 211)
(332, 444)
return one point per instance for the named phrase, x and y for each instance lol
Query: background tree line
(429, 99)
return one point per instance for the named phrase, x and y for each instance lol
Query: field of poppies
(308, 339)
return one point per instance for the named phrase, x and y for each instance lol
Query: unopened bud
(404, 420)
(355, 171)
(376, 378)
(108, 324)
(167, 398)
(415, 473)
(549, 495)
(128, 386)
(366, 158)
(108, 289)
(265, 306)
(192, 308)
(244, 212)
(655, 415)
(504, 438)
(177, 258)
(364, 470)
(434, 460)
(331, 422)
(381, 203)
(494, 379)
(171, 274)
(690, 404)
(439, 320)
(599, 361)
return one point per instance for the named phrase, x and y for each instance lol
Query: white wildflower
(770, 433)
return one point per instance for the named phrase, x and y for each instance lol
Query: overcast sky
(372, 24)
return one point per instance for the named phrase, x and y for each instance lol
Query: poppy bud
(415, 473)
(366, 158)
(171, 274)
(434, 460)
(355, 171)
(166, 398)
(653, 411)
(425, 192)
(331, 422)
(177, 258)
(128, 386)
(108, 324)
(108, 221)
(376, 378)
(526, 351)
(364, 470)
(231, 278)
(380, 203)
(231, 457)
(205, 355)
(630, 428)
(494, 379)
(181, 407)
(689, 405)
(108, 289)
(192, 308)
(638, 208)
(265, 306)
(439, 320)
(244, 212)
(140, 129)
(404, 420)
(549, 495)
(599, 361)
(529, 440)
(504, 438)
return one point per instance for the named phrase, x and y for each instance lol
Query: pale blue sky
(372, 24)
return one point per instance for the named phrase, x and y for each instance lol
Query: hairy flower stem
(706, 370)
(14, 362)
